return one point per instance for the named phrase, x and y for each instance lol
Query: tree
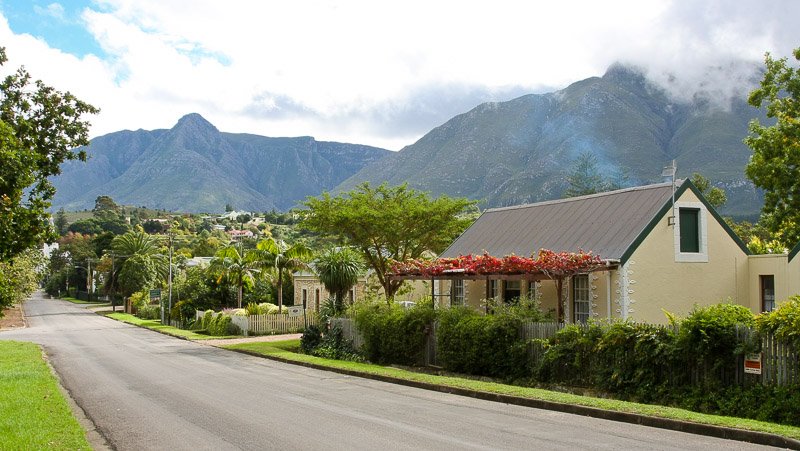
(338, 269)
(715, 196)
(584, 177)
(39, 129)
(60, 221)
(138, 272)
(285, 258)
(19, 277)
(229, 263)
(775, 164)
(387, 224)
(127, 246)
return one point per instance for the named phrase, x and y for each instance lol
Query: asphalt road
(144, 390)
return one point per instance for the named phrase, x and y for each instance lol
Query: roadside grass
(163, 328)
(285, 349)
(35, 414)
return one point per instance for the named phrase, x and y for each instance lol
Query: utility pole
(169, 280)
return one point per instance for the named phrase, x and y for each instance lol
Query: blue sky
(370, 72)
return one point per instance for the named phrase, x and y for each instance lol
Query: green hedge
(393, 334)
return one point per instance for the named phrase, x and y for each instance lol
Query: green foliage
(571, 356)
(482, 345)
(252, 309)
(783, 322)
(338, 270)
(149, 311)
(334, 346)
(708, 339)
(20, 277)
(40, 128)
(774, 404)
(775, 163)
(311, 338)
(387, 224)
(393, 334)
(208, 316)
(138, 272)
(221, 325)
(635, 360)
(585, 177)
(715, 196)
(525, 308)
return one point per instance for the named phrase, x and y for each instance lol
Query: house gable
(795, 250)
(686, 185)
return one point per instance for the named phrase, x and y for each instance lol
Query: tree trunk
(240, 291)
(559, 289)
(280, 291)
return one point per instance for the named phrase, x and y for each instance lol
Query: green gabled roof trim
(795, 250)
(687, 184)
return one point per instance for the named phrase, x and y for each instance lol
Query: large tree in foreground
(775, 164)
(387, 224)
(39, 129)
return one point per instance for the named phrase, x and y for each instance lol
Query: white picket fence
(275, 324)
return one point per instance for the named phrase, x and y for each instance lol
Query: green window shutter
(690, 229)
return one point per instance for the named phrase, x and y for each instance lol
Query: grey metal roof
(605, 223)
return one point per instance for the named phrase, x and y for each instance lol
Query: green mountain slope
(520, 151)
(194, 167)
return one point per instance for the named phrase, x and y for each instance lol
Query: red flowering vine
(547, 262)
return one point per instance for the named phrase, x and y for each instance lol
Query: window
(305, 297)
(690, 229)
(767, 293)
(580, 298)
(495, 289)
(316, 306)
(532, 290)
(691, 232)
(513, 290)
(457, 294)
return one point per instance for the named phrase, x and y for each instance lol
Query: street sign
(295, 310)
(752, 363)
(155, 295)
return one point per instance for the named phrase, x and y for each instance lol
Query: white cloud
(53, 10)
(378, 73)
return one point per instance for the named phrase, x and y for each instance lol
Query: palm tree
(285, 258)
(131, 244)
(229, 262)
(338, 269)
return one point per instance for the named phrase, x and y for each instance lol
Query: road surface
(144, 390)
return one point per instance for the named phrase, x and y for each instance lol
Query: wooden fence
(276, 323)
(280, 323)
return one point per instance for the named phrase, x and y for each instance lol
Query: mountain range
(193, 167)
(507, 153)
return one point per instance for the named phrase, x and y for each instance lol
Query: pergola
(546, 265)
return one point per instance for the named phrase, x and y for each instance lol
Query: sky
(372, 72)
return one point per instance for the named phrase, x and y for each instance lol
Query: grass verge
(35, 413)
(78, 301)
(285, 349)
(156, 325)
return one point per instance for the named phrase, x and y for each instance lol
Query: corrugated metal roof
(605, 223)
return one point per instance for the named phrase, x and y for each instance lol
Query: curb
(742, 435)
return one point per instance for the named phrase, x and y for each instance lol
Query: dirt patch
(14, 318)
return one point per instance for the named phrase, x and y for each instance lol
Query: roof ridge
(580, 198)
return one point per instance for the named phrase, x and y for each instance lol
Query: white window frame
(586, 298)
(458, 290)
(691, 257)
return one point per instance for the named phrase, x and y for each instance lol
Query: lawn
(286, 350)
(156, 325)
(35, 415)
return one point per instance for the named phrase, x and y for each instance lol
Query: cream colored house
(309, 291)
(661, 255)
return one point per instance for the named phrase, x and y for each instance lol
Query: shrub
(783, 323)
(208, 317)
(149, 311)
(222, 325)
(311, 338)
(482, 345)
(252, 309)
(265, 308)
(708, 341)
(393, 334)
(570, 356)
(335, 346)
(635, 360)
